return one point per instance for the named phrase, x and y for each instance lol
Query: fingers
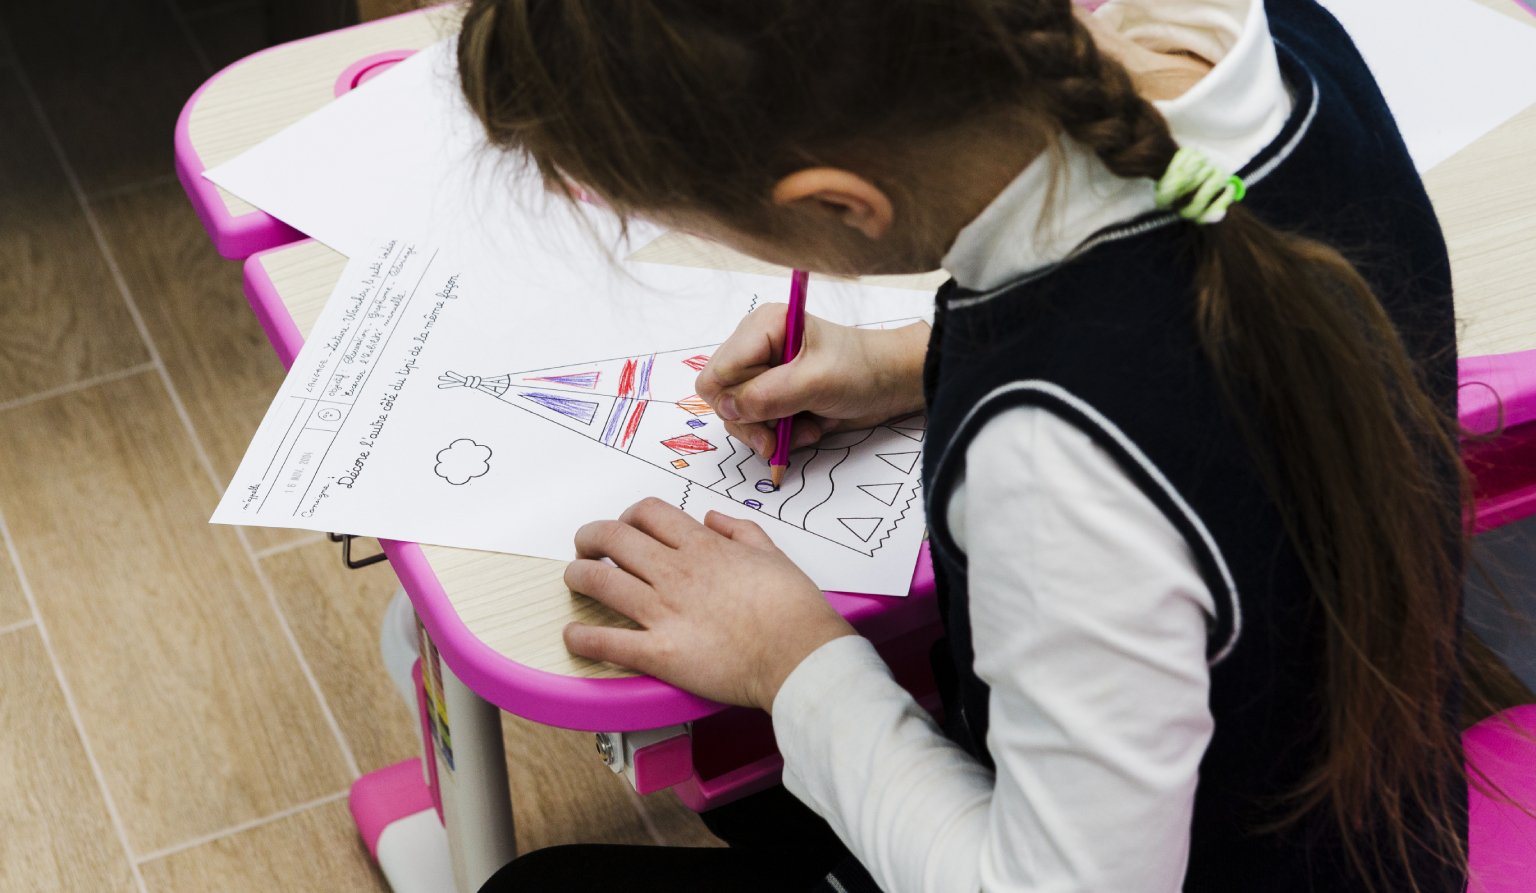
(772, 394)
(630, 549)
(758, 436)
(662, 521)
(742, 531)
(614, 587)
(806, 431)
(757, 344)
(745, 381)
(763, 438)
(625, 647)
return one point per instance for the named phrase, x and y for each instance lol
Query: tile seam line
(181, 410)
(185, 27)
(326, 712)
(76, 386)
(18, 627)
(646, 819)
(114, 816)
(284, 548)
(240, 828)
(112, 193)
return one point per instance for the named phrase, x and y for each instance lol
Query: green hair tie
(1212, 191)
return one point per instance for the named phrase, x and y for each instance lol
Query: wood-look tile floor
(182, 706)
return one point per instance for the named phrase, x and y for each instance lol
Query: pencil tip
(777, 476)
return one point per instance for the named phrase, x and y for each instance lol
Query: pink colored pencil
(794, 334)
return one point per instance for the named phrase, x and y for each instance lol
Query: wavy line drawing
(831, 492)
(646, 407)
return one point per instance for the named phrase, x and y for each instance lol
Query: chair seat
(1497, 390)
(1501, 838)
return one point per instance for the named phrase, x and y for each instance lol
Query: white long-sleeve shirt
(1088, 614)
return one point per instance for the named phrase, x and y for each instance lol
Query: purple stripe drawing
(586, 380)
(581, 410)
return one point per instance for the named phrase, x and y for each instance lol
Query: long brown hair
(704, 104)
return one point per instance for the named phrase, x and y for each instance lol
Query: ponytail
(1368, 476)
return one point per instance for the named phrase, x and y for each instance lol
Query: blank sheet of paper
(1451, 70)
(403, 153)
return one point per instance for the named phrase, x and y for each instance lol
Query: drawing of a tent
(852, 489)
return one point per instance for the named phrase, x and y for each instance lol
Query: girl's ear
(849, 198)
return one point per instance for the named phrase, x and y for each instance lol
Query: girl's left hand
(725, 614)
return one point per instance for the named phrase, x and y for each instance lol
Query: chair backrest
(1501, 834)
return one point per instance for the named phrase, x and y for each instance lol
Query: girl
(1191, 479)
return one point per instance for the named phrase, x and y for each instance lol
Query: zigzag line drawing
(904, 509)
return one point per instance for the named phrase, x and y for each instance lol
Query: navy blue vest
(1106, 341)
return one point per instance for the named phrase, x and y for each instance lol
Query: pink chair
(1498, 395)
(1501, 838)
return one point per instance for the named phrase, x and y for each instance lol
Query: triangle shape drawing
(647, 407)
(587, 380)
(581, 410)
(863, 528)
(886, 493)
(916, 434)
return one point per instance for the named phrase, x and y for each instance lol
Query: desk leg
(472, 778)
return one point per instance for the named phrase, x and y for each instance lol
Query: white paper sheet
(442, 399)
(403, 153)
(1451, 70)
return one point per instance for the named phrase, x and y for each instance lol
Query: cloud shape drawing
(462, 461)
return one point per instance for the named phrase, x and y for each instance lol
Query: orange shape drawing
(679, 463)
(694, 404)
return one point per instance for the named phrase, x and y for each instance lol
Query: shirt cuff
(833, 687)
(808, 682)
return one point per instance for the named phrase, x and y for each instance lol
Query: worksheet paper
(443, 400)
(1452, 70)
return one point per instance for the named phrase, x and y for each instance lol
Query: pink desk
(491, 622)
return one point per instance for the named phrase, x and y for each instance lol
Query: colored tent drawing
(852, 489)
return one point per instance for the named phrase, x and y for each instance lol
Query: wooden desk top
(1485, 196)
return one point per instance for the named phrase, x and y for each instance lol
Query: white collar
(1236, 110)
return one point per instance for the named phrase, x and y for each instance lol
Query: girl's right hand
(844, 378)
